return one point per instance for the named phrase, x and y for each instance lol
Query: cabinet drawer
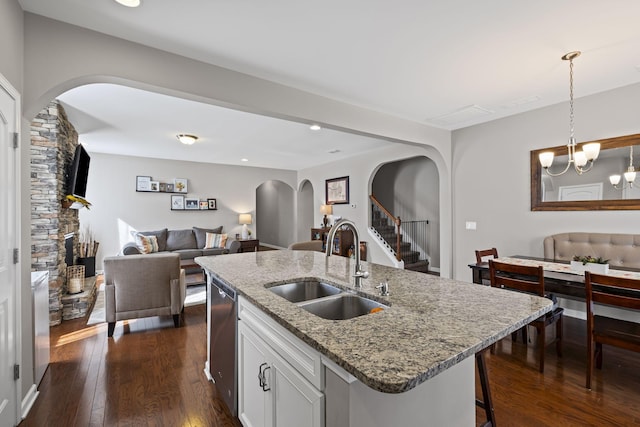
(300, 355)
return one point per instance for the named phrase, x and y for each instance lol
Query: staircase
(387, 228)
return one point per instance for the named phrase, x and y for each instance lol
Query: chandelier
(582, 161)
(629, 175)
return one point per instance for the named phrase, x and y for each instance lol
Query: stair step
(421, 266)
(410, 257)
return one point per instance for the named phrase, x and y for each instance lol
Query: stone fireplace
(53, 142)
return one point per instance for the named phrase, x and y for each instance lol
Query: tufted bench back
(622, 250)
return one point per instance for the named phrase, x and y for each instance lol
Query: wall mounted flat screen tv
(78, 173)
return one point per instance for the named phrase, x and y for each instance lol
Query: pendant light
(582, 161)
(629, 175)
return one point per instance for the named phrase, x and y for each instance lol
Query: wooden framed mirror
(592, 190)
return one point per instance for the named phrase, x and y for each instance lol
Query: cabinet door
(254, 403)
(296, 402)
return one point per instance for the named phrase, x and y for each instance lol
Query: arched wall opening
(91, 57)
(304, 210)
(275, 214)
(410, 189)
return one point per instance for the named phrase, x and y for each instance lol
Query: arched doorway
(305, 210)
(275, 214)
(409, 189)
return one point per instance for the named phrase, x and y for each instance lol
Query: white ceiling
(147, 123)
(449, 64)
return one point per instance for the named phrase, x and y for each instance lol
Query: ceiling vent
(460, 116)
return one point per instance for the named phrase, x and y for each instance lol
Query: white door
(8, 241)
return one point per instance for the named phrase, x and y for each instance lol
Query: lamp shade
(326, 209)
(244, 219)
(630, 176)
(591, 150)
(614, 179)
(546, 159)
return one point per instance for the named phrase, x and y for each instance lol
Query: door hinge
(16, 372)
(16, 255)
(15, 140)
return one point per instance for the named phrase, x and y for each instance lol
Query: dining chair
(612, 291)
(481, 255)
(529, 279)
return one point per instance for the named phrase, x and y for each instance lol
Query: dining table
(559, 278)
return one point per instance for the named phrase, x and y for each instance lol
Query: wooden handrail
(396, 221)
(384, 210)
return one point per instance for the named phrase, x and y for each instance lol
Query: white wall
(492, 184)
(361, 170)
(11, 67)
(111, 190)
(90, 57)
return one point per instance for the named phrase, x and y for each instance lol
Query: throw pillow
(147, 244)
(215, 240)
(201, 234)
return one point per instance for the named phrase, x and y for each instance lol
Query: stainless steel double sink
(325, 300)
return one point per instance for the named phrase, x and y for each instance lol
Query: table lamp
(326, 210)
(244, 219)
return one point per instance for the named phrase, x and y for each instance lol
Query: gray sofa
(188, 243)
(622, 250)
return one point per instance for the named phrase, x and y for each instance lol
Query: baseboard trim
(29, 400)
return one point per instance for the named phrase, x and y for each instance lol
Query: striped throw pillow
(147, 244)
(215, 241)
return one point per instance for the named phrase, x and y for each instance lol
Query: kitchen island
(422, 345)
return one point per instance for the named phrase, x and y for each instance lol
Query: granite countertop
(431, 324)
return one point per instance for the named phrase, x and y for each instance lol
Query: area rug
(196, 294)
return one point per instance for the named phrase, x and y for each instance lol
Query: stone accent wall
(53, 143)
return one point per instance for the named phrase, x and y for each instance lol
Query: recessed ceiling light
(315, 127)
(129, 3)
(186, 138)
(244, 160)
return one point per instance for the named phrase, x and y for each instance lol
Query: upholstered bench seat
(622, 250)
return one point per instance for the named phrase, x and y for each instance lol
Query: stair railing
(395, 220)
(415, 232)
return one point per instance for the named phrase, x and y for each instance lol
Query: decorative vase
(590, 266)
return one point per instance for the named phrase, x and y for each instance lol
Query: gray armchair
(142, 286)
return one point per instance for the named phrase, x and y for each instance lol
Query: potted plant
(582, 263)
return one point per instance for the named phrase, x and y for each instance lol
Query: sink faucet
(359, 274)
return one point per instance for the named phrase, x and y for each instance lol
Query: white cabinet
(271, 393)
(253, 395)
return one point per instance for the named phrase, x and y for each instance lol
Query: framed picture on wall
(169, 187)
(204, 205)
(337, 190)
(191, 204)
(163, 187)
(177, 203)
(213, 204)
(155, 186)
(180, 185)
(143, 183)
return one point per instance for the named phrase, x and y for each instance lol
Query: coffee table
(192, 278)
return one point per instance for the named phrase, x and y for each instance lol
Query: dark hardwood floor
(151, 374)
(523, 397)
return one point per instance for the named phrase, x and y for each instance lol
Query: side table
(249, 245)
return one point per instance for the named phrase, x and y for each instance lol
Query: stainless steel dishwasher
(221, 327)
